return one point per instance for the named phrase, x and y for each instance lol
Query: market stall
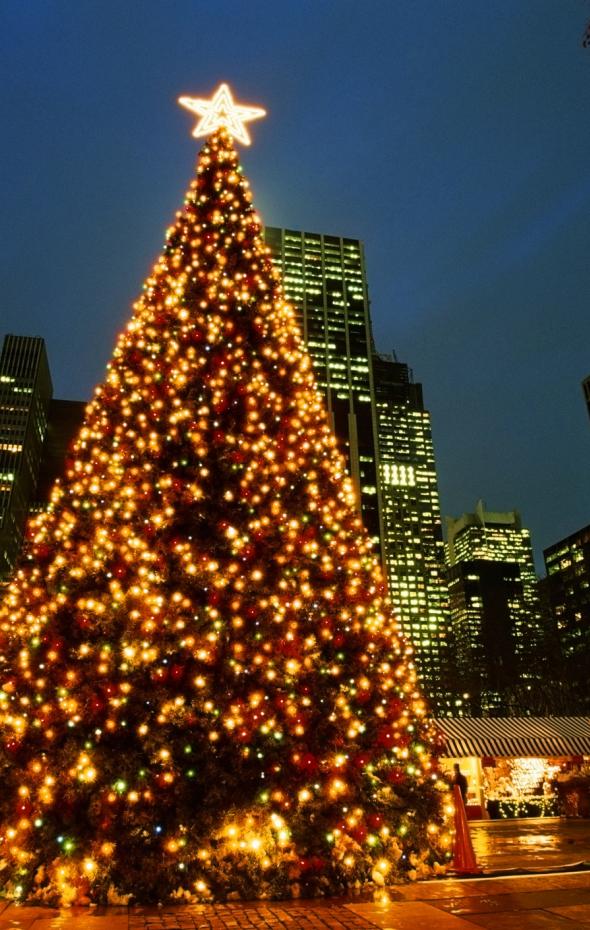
(520, 766)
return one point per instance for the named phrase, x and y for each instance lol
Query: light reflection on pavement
(537, 842)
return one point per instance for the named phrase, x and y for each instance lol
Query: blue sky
(452, 137)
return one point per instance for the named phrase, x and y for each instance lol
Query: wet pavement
(555, 902)
(559, 901)
(538, 842)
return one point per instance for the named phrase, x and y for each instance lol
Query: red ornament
(396, 776)
(177, 672)
(363, 695)
(43, 552)
(312, 864)
(358, 833)
(375, 821)
(386, 738)
(361, 760)
(306, 762)
(213, 597)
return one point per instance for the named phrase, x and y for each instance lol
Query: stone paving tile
(522, 920)
(486, 904)
(534, 842)
(271, 916)
(427, 891)
(579, 912)
(561, 902)
(24, 912)
(16, 923)
(89, 922)
(534, 900)
(451, 888)
(21, 917)
(409, 916)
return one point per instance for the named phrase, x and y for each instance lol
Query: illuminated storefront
(520, 766)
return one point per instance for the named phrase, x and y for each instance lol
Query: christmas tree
(203, 688)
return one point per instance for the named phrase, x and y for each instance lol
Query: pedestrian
(460, 779)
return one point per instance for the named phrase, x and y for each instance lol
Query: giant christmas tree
(203, 688)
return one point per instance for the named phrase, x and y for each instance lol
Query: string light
(200, 664)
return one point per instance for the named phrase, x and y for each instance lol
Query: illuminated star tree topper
(222, 111)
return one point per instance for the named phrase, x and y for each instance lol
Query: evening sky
(451, 136)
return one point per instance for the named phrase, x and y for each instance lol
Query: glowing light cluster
(202, 684)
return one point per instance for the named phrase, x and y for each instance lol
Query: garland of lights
(203, 689)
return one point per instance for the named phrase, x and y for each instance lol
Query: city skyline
(469, 192)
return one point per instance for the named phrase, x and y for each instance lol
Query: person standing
(460, 779)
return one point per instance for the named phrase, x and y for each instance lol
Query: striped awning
(514, 737)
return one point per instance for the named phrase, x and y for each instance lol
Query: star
(221, 111)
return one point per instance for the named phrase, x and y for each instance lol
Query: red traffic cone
(464, 861)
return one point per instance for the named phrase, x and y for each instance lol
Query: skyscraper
(412, 532)
(483, 599)
(324, 277)
(568, 586)
(64, 423)
(486, 602)
(379, 418)
(25, 394)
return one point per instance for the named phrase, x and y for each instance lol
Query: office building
(486, 603)
(412, 532)
(568, 589)
(324, 278)
(377, 413)
(64, 422)
(25, 394)
(483, 599)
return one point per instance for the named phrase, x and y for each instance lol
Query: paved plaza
(554, 901)
(535, 843)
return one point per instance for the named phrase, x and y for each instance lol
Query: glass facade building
(25, 395)
(379, 419)
(412, 531)
(324, 278)
(487, 602)
(568, 586)
(488, 536)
